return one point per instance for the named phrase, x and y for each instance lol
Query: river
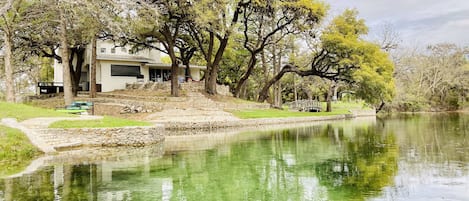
(404, 157)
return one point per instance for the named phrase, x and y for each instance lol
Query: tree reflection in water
(344, 160)
(367, 164)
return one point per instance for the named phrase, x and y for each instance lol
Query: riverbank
(175, 141)
(175, 121)
(181, 125)
(51, 140)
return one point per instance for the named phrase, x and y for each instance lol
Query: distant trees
(432, 79)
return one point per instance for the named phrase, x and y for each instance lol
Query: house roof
(163, 65)
(131, 58)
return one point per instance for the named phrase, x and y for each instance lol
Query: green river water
(406, 157)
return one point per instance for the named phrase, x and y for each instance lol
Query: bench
(77, 107)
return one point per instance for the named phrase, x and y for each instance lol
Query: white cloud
(425, 21)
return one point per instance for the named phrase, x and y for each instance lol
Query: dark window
(121, 70)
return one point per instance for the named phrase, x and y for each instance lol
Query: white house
(117, 66)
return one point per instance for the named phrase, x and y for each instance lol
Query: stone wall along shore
(107, 137)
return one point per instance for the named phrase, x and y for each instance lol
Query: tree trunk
(211, 82)
(174, 70)
(76, 72)
(187, 72)
(381, 106)
(9, 82)
(174, 79)
(329, 103)
(263, 94)
(275, 72)
(242, 81)
(295, 90)
(330, 93)
(186, 56)
(208, 59)
(212, 88)
(215, 65)
(93, 68)
(278, 85)
(207, 78)
(67, 81)
(264, 67)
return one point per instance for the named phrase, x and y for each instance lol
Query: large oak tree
(342, 55)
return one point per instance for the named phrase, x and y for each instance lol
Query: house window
(113, 50)
(123, 70)
(123, 49)
(103, 50)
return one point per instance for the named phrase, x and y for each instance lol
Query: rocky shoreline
(52, 140)
(177, 132)
(183, 125)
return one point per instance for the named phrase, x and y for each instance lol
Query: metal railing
(50, 84)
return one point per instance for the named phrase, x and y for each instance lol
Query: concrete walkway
(32, 135)
(30, 127)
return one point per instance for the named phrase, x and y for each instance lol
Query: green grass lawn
(337, 109)
(22, 112)
(16, 151)
(106, 122)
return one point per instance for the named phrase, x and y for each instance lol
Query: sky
(417, 22)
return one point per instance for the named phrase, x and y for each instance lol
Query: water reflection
(404, 158)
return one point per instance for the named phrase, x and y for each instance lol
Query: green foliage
(367, 66)
(23, 112)
(366, 167)
(234, 63)
(16, 151)
(375, 78)
(46, 70)
(106, 122)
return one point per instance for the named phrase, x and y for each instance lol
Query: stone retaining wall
(125, 136)
(186, 86)
(114, 107)
(181, 126)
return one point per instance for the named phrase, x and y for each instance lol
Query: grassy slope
(337, 108)
(16, 152)
(106, 122)
(23, 112)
